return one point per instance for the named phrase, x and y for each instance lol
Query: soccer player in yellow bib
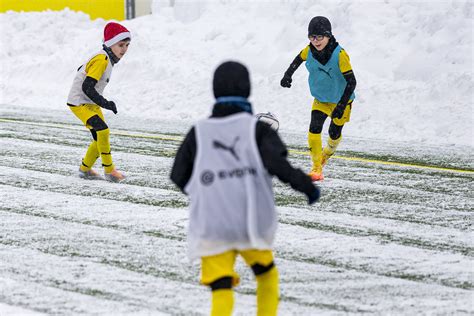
(225, 165)
(85, 100)
(332, 84)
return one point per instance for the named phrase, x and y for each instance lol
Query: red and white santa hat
(114, 33)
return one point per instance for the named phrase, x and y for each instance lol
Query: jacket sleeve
(94, 69)
(346, 70)
(294, 65)
(350, 87)
(184, 161)
(88, 87)
(299, 59)
(274, 156)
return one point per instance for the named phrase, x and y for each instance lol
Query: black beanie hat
(231, 79)
(319, 25)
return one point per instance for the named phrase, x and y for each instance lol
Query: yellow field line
(390, 163)
(81, 128)
(178, 138)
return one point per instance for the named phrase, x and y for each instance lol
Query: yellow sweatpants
(222, 265)
(100, 147)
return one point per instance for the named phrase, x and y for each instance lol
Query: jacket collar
(229, 105)
(324, 55)
(114, 59)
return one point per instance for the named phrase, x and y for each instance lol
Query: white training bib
(76, 95)
(231, 194)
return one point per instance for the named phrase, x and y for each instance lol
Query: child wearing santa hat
(86, 100)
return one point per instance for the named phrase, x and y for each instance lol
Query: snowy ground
(385, 239)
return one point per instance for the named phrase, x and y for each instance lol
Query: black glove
(338, 111)
(314, 196)
(110, 105)
(286, 82)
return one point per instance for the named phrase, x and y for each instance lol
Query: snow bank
(412, 60)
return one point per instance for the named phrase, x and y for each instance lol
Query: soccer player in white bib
(86, 100)
(225, 165)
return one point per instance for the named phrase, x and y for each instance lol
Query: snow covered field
(384, 238)
(392, 233)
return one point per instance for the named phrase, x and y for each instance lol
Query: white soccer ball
(269, 118)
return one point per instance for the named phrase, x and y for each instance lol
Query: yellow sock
(103, 145)
(315, 147)
(222, 302)
(267, 293)
(91, 156)
(329, 150)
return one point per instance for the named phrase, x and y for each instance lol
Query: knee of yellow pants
(103, 144)
(257, 256)
(218, 266)
(103, 141)
(268, 293)
(105, 133)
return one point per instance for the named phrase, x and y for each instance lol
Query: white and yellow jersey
(98, 67)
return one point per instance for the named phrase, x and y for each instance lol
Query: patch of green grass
(423, 278)
(333, 307)
(92, 292)
(168, 203)
(289, 200)
(161, 272)
(384, 237)
(155, 233)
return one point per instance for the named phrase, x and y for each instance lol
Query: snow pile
(412, 60)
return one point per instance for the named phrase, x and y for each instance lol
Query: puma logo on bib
(218, 145)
